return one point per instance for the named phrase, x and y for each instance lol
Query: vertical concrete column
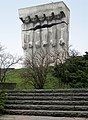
(52, 37)
(29, 38)
(58, 27)
(24, 37)
(44, 39)
(36, 42)
(65, 39)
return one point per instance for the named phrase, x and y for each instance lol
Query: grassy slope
(14, 76)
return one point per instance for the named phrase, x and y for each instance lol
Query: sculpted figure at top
(45, 26)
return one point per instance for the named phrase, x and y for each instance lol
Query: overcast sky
(10, 25)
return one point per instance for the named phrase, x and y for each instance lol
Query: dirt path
(18, 117)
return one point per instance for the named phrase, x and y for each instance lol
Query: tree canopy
(74, 71)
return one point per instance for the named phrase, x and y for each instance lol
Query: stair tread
(49, 90)
(48, 98)
(47, 102)
(50, 107)
(45, 110)
(48, 94)
(72, 101)
(50, 102)
(49, 113)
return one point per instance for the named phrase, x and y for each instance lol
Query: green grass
(54, 83)
(22, 84)
(14, 76)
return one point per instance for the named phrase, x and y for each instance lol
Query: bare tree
(38, 67)
(6, 61)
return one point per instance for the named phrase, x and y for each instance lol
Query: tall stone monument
(45, 26)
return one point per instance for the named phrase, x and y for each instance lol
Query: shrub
(3, 98)
(73, 71)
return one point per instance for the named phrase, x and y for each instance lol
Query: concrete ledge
(22, 117)
(8, 86)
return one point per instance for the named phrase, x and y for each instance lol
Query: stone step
(47, 102)
(50, 91)
(47, 107)
(48, 98)
(47, 94)
(47, 113)
(55, 102)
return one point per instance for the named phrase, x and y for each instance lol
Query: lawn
(15, 76)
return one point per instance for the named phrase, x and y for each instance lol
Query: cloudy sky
(10, 25)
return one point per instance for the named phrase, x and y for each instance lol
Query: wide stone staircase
(50, 102)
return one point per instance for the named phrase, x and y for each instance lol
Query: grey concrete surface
(18, 117)
(45, 27)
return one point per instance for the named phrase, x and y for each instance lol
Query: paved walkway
(18, 117)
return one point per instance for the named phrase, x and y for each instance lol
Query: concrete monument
(45, 26)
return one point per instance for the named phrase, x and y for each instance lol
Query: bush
(73, 71)
(3, 98)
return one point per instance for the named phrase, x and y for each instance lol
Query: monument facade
(45, 26)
